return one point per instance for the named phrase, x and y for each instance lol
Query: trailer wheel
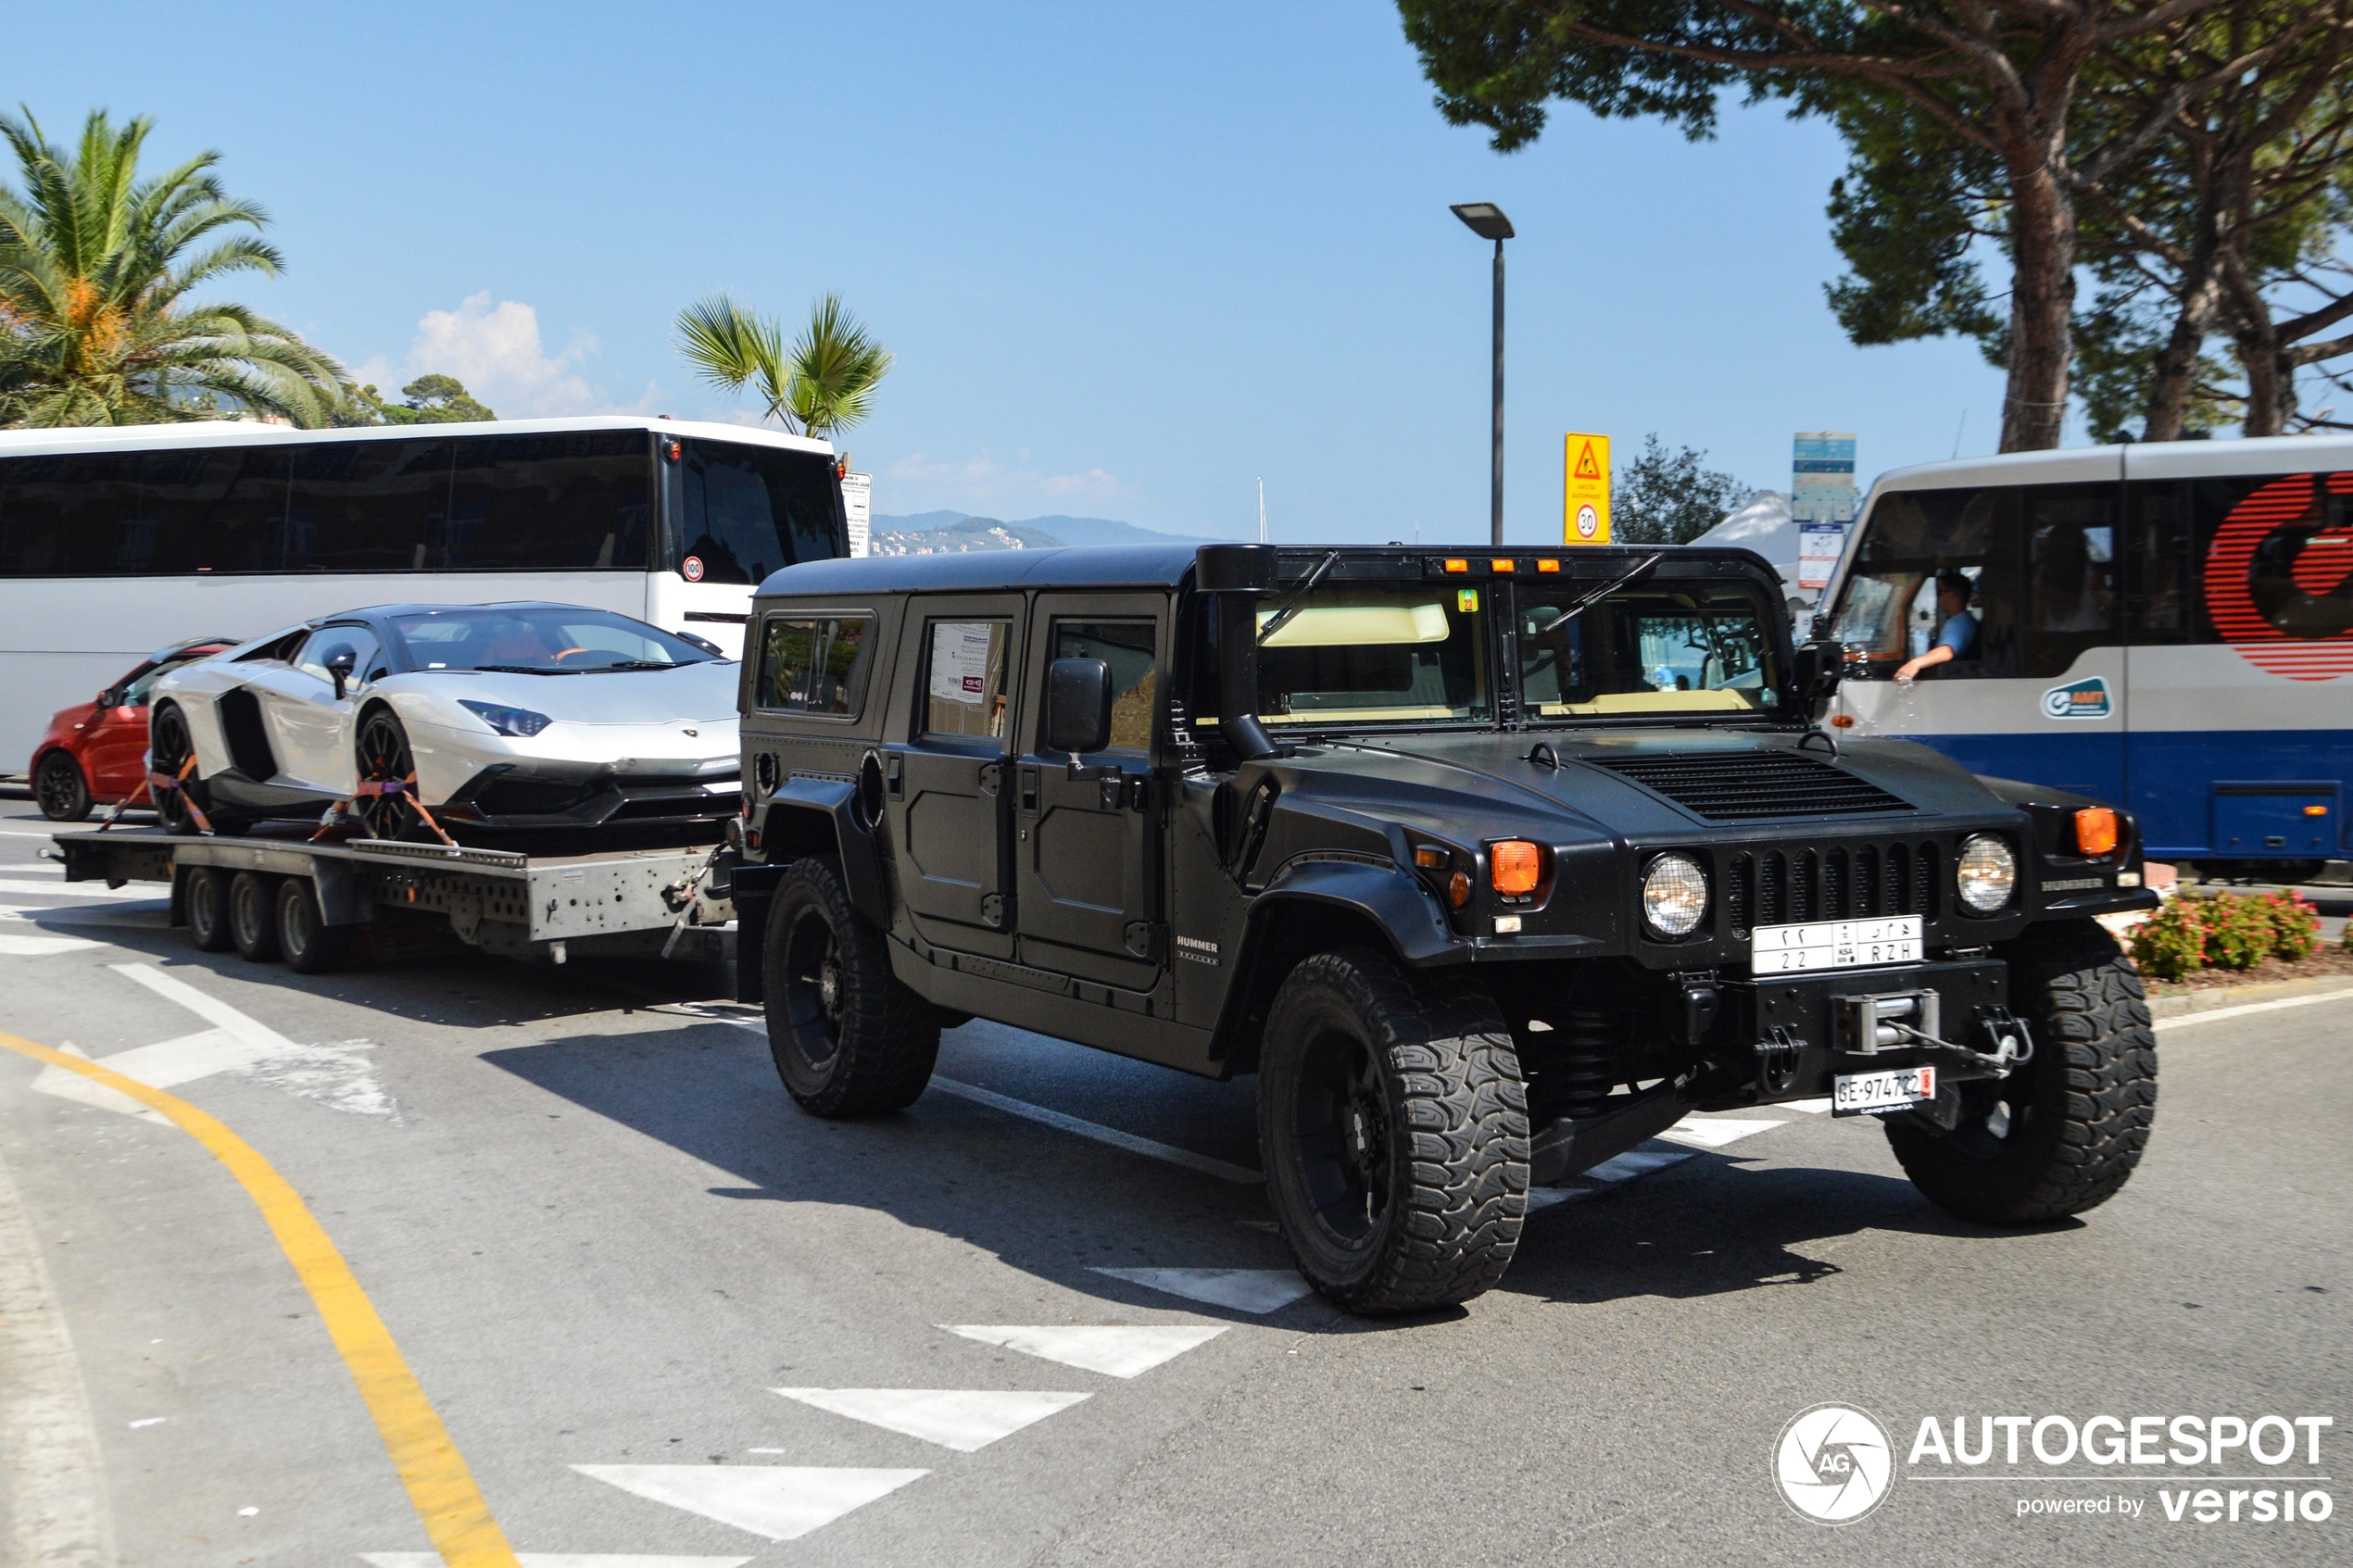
(253, 916)
(309, 944)
(2063, 1133)
(1393, 1124)
(206, 901)
(849, 1038)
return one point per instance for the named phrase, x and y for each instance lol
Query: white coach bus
(116, 541)
(2168, 627)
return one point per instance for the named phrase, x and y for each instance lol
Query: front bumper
(1788, 1038)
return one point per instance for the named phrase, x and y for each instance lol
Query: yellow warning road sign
(1585, 488)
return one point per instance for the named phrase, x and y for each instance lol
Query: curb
(2184, 1003)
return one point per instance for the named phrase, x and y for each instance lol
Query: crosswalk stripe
(782, 1502)
(1256, 1291)
(555, 1559)
(966, 1420)
(1714, 1132)
(1115, 1350)
(80, 889)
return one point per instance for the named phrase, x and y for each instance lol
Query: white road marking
(966, 1420)
(80, 889)
(70, 915)
(782, 1502)
(51, 1470)
(2245, 1008)
(1257, 1291)
(1811, 1107)
(555, 1560)
(1715, 1132)
(1634, 1163)
(1117, 1351)
(337, 1075)
(1100, 1134)
(12, 946)
(1205, 1164)
(73, 1086)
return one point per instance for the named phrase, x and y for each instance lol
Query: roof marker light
(1457, 565)
(1548, 566)
(1502, 566)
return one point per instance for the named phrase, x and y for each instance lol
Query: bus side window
(2072, 572)
(2158, 577)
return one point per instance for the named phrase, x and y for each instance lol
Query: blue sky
(1132, 258)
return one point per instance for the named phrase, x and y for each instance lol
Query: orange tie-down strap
(391, 789)
(456, 1516)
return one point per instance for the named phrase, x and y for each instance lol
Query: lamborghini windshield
(1669, 648)
(536, 639)
(1375, 654)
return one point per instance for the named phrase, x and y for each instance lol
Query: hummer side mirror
(1819, 666)
(339, 667)
(1078, 705)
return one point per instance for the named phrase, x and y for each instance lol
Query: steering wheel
(568, 653)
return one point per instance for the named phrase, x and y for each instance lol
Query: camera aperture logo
(1835, 1464)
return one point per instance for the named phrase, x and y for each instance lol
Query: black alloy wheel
(850, 1039)
(1393, 1125)
(383, 757)
(253, 916)
(308, 943)
(204, 903)
(57, 785)
(168, 748)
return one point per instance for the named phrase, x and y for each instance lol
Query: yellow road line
(456, 1517)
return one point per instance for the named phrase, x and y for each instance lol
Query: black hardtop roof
(1167, 566)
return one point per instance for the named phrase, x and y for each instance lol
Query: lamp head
(1485, 220)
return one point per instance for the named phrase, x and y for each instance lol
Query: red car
(96, 752)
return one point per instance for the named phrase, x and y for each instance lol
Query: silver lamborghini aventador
(451, 718)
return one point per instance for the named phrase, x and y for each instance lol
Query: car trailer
(306, 902)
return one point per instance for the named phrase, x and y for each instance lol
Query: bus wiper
(1605, 591)
(1298, 600)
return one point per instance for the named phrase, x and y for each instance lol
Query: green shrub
(2238, 931)
(2296, 924)
(2171, 942)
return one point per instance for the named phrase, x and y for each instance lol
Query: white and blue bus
(119, 541)
(2168, 627)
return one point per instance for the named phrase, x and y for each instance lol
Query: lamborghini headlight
(521, 722)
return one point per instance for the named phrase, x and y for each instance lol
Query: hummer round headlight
(1986, 873)
(1674, 895)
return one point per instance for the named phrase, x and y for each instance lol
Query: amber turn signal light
(1514, 866)
(2095, 830)
(1429, 860)
(1458, 889)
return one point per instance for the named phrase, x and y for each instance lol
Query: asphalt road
(603, 1237)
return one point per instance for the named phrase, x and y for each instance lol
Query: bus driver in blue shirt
(1957, 632)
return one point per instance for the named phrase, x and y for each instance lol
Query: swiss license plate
(1874, 1093)
(1838, 944)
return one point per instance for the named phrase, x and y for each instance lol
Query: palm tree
(824, 383)
(95, 267)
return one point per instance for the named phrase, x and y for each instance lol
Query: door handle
(1029, 791)
(896, 782)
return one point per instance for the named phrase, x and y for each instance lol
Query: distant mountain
(949, 532)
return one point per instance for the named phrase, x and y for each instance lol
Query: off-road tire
(1402, 1093)
(204, 903)
(849, 1038)
(2079, 1114)
(305, 939)
(59, 787)
(253, 916)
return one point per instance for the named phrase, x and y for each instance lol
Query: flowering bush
(2225, 931)
(2171, 942)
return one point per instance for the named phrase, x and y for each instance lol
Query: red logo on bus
(692, 569)
(2279, 578)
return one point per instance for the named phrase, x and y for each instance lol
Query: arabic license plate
(1875, 1094)
(1840, 943)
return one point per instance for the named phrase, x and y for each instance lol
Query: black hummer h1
(1489, 866)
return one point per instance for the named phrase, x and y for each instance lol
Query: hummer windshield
(1375, 654)
(1658, 649)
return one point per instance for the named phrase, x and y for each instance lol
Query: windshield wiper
(521, 670)
(641, 664)
(1605, 591)
(1298, 600)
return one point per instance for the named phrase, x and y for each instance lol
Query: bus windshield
(1383, 654)
(1704, 649)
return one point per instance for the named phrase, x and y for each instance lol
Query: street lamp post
(1487, 220)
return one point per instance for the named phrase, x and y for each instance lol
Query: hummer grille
(1842, 882)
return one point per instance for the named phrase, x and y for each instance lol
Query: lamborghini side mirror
(339, 666)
